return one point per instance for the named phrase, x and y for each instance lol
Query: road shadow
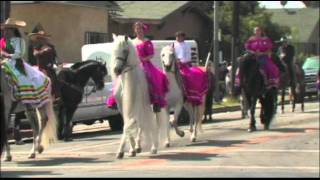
(94, 134)
(311, 112)
(186, 156)
(217, 143)
(95, 139)
(218, 120)
(289, 130)
(59, 161)
(17, 174)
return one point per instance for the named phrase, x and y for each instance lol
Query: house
(71, 24)
(304, 25)
(164, 19)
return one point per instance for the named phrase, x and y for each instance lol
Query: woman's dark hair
(16, 32)
(180, 33)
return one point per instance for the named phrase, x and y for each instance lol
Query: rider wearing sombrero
(45, 55)
(286, 54)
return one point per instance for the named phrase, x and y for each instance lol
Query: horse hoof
(138, 150)
(120, 155)
(68, 139)
(40, 149)
(133, 154)
(252, 129)
(32, 156)
(193, 139)
(181, 134)
(167, 145)
(154, 151)
(266, 127)
(8, 159)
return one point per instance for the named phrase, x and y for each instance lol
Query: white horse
(133, 99)
(42, 119)
(176, 93)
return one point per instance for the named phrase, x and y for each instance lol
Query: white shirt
(19, 47)
(182, 51)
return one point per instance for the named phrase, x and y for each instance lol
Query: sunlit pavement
(224, 149)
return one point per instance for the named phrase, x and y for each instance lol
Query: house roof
(303, 20)
(110, 5)
(151, 11)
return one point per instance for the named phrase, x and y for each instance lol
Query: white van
(93, 105)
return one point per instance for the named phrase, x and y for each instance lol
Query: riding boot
(156, 108)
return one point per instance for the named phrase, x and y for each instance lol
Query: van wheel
(116, 123)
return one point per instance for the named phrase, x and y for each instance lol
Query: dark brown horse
(296, 84)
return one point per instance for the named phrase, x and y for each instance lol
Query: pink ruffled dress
(157, 81)
(269, 70)
(195, 82)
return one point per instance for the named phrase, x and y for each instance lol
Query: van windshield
(311, 63)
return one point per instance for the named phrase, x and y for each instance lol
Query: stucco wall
(195, 26)
(67, 24)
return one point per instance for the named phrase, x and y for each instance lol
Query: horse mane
(82, 64)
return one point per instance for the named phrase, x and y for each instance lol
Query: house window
(95, 37)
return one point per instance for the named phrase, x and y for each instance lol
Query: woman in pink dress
(261, 46)
(157, 81)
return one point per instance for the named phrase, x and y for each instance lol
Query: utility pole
(216, 47)
(5, 10)
(235, 41)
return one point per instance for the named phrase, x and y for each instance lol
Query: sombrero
(12, 23)
(39, 34)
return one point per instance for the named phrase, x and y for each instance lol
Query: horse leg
(302, 92)
(189, 109)
(252, 104)
(195, 124)
(68, 124)
(10, 127)
(282, 99)
(174, 122)
(30, 113)
(138, 141)
(294, 94)
(43, 120)
(155, 138)
(132, 152)
(8, 156)
(126, 133)
(120, 153)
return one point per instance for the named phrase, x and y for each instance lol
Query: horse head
(99, 74)
(123, 49)
(168, 58)
(90, 69)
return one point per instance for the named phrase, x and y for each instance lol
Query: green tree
(251, 15)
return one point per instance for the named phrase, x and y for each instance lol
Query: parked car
(311, 69)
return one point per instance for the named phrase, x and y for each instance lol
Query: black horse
(252, 83)
(72, 82)
(295, 81)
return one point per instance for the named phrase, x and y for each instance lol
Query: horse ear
(104, 64)
(114, 36)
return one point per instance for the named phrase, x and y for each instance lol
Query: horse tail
(49, 135)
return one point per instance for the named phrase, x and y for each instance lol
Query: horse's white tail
(49, 135)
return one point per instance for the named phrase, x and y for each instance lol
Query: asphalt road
(225, 149)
